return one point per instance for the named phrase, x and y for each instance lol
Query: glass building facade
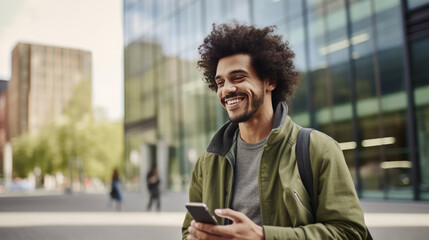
(365, 82)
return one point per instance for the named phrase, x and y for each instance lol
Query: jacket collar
(224, 138)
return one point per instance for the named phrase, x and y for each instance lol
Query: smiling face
(242, 93)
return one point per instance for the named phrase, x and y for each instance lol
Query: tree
(59, 145)
(23, 162)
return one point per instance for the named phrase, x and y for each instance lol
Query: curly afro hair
(271, 57)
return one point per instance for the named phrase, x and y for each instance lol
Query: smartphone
(200, 213)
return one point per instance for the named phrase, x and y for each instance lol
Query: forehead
(234, 62)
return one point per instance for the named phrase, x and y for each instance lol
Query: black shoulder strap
(304, 164)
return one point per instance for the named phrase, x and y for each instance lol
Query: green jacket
(284, 202)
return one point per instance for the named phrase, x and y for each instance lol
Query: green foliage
(98, 143)
(79, 106)
(23, 156)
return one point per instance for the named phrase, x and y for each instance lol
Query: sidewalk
(88, 217)
(82, 202)
(91, 212)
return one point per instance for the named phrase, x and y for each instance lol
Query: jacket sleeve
(195, 195)
(339, 214)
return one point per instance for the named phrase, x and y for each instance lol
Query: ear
(270, 84)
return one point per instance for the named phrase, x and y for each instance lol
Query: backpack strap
(304, 164)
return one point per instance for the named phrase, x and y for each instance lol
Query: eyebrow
(233, 72)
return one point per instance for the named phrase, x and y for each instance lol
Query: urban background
(59, 128)
(365, 82)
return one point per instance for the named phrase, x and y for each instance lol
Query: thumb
(231, 214)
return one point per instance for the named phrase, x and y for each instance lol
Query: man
(248, 176)
(153, 182)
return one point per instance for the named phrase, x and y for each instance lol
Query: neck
(258, 127)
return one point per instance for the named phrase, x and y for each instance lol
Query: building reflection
(364, 83)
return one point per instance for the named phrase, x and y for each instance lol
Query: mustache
(231, 95)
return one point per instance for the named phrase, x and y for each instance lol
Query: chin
(233, 118)
(239, 118)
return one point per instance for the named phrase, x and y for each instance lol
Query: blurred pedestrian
(153, 187)
(115, 192)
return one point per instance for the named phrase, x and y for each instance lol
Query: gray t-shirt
(246, 193)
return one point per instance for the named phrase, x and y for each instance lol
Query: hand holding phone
(200, 213)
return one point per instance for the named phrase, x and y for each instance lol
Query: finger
(221, 232)
(190, 237)
(231, 214)
(192, 233)
(205, 231)
(201, 226)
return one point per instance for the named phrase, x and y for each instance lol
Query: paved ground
(81, 202)
(90, 233)
(396, 220)
(61, 216)
(90, 216)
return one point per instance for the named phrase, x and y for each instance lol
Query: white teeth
(230, 102)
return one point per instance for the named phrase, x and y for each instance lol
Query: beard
(257, 101)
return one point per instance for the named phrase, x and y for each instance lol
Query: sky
(89, 25)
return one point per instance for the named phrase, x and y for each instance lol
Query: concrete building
(3, 120)
(365, 83)
(42, 82)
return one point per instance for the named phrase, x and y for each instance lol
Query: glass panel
(162, 40)
(238, 10)
(222, 11)
(163, 8)
(146, 16)
(191, 26)
(215, 12)
(420, 76)
(419, 59)
(363, 49)
(138, 145)
(132, 168)
(273, 8)
(174, 49)
(337, 53)
(318, 62)
(412, 4)
(367, 102)
(147, 94)
(184, 3)
(163, 98)
(381, 107)
(371, 173)
(131, 26)
(389, 45)
(344, 135)
(397, 178)
(297, 44)
(133, 83)
(294, 7)
(315, 3)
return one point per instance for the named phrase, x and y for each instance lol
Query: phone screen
(200, 213)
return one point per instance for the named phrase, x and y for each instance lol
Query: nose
(228, 88)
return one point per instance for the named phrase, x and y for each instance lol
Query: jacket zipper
(260, 184)
(227, 220)
(300, 201)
